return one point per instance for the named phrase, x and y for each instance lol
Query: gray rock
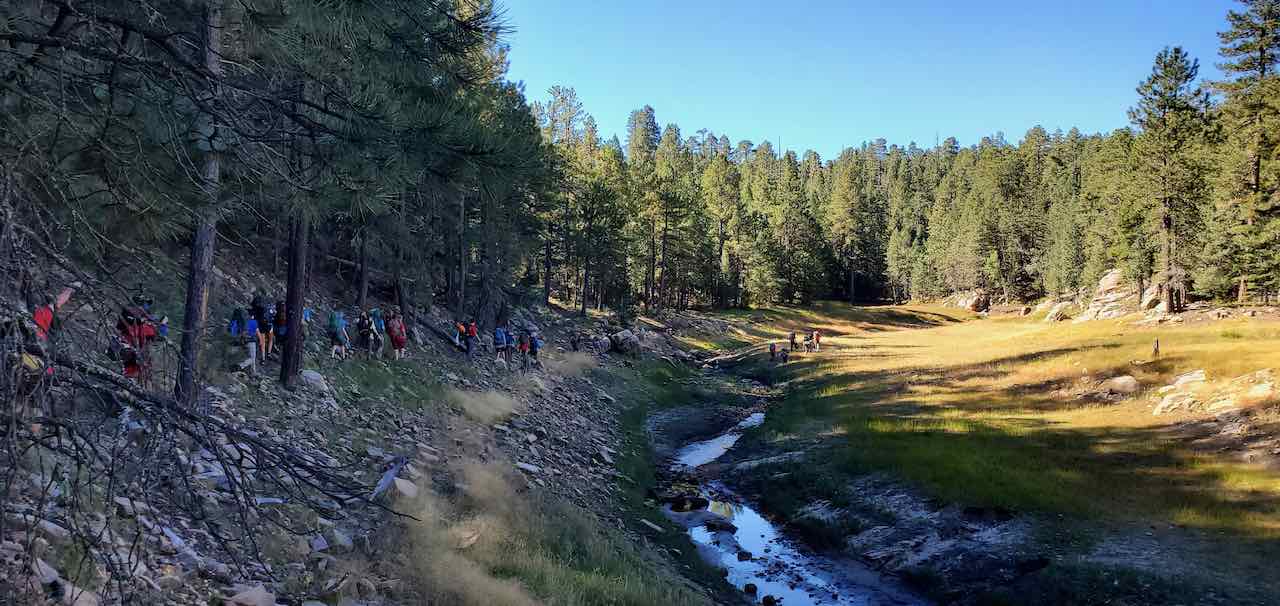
(626, 342)
(314, 379)
(1058, 312)
(528, 468)
(1124, 384)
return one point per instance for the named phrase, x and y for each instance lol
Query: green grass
(972, 413)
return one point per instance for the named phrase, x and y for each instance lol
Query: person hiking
(236, 326)
(258, 311)
(817, 340)
(783, 355)
(280, 321)
(535, 344)
(379, 329)
(397, 334)
(339, 340)
(45, 316)
(510, 350)
(808, 343)
(473, 336)
(773, 351)
(459, 333)
(137, 331)
(364, 332)
(523, 348)
(793, 340)
(500, 342)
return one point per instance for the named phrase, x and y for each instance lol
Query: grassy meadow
(980, 412)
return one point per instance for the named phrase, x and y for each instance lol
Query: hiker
(339, 340)
(473, 336)
(45, 316)
(511, 343)
(793, 340)
(817, 340)
(261, 316)
(136, 331)
(500, 343)
(397, 334)
(237, 326)
(379, 329)
(783, 355)
(773, 351)
(535, 344)
(523, 348)
(575, 340)
(808, 343)
(280, 321)
(459, 333)
(364, 332)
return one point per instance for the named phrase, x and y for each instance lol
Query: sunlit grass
(980, 412)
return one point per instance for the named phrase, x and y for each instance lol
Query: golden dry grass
(983, 412)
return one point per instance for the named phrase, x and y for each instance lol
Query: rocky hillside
(114, 493)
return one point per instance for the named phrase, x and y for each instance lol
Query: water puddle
(698, 454)
(763, 561)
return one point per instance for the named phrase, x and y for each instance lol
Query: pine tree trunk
(1167, 289)
(363, 297)
(586, 268)
(200, 270)
(546, 272)
(295, 302)
(853, 298)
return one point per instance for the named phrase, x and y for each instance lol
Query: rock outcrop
(1059, 312)
(1113, 298)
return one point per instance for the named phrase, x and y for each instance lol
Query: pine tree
(1172, 115)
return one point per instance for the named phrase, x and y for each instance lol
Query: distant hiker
(45, 316)
(379, 330)
(136, 331)
(817, 340)
(258, 311)
(397, 334)
(783, 355)
(500, 342)
(236, 326)
(339, 340)
(523, 348)
(459, 333)
(535, 344)
(773, 351)
(364, 332)
(808, 343)
(510, 351)
(249, 338)
(281, 320)
(574, 340)
(473, 336)
(793, 340)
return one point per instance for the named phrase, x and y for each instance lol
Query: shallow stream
(759, 557)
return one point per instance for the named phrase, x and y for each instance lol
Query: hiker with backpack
(364, 332)
(459, 333)
(793, 340)
(397, 334)
(817, 340)
(136, 331)
(379, 329)
(473, 336)
(773, 351)
(258, 309)
(339, 340)
(500, 343)
(237, 326)
(535, 344)
(523, 348)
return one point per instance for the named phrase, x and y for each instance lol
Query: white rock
(1193, 377)
(1058, 312)
(528, 468)
(1124, 384)
(406, 489)
(314, 379)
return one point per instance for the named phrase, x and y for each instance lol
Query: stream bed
(758, 556)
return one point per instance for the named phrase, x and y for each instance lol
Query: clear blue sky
(828, 74)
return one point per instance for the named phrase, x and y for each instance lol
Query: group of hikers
(259, 325)
(507, 343)
(811, 342)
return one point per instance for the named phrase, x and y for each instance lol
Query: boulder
(1190, 378)
(254, 596)
(1175, 401)
(626, 342)
(1111, 299)
(1058, 312)
(1124, 384)
(1151, 297)
(315, 380)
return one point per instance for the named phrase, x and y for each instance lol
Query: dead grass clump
(573, 364)
(484, 407)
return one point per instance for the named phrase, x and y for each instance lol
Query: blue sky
(828, 74)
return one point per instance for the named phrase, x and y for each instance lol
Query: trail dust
(465, 549)
(483, 407)
(572, 364)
